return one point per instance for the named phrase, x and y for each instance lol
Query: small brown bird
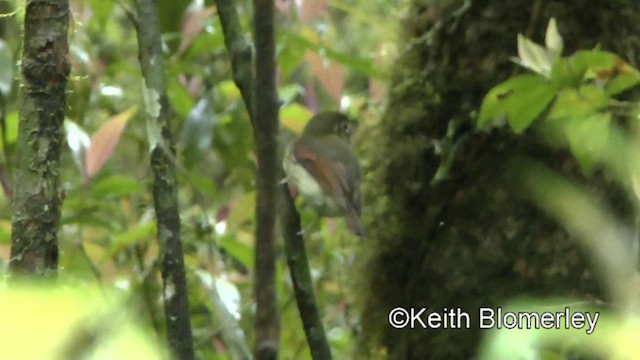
(321, 166)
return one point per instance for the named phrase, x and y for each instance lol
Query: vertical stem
(175, 296)
(265, 119)
(240, 55)
(239, 51)
(36, 194)
(301, 278)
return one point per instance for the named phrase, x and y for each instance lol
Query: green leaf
(5, 232)
(116, 186)
(204, 184)
(290, 54)
(588, 138)
(365, 66)
(521, 99)
(289, 92)
(564, 75)
(241, 211)
(580, 102)
(228, 89)
(180, 98)
(130, 237)
(12, 127)
(238, 250)
(625, 78)
(606, 69)
(6, 68)
(170, 14)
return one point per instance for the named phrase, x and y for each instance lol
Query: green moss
(471, 240)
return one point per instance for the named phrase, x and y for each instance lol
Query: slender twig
(175, 292)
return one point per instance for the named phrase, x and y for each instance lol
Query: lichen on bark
(36, 195)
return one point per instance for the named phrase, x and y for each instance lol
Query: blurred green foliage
(581, 102)
(46, 322)
(331, 54)
(329, 57)
(574, 94)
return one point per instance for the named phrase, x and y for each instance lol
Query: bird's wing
(331, 172)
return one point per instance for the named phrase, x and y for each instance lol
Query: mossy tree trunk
(470, 240)
(36, 194)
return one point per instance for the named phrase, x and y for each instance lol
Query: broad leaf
(564, 75)
(520, 99)
(588, 138)
(606, 69)
(581, 102)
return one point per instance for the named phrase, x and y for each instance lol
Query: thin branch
(239, 51)
(301, 278)
(175, 292)
(265, 122)
(240, 54)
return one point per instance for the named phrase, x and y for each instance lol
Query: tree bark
(265, 119)
(165, 197)
(37, 198)
(470, 240)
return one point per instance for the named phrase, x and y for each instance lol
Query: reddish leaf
(105, 140)
(313, 9)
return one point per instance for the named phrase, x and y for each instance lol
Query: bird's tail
(353, 221)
